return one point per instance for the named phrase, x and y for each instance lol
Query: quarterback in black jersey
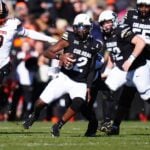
(77, 62)
(139, 21)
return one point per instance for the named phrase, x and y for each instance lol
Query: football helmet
(82, 25)
(108, 15)
(3, 12)
(143, 7)
(146, 2)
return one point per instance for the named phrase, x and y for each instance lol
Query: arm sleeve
(35, 35)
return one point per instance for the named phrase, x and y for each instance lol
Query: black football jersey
(120, 47)
(84, 53)
(139, 26)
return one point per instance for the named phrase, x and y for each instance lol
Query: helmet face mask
(143, 7)
(82, 31)
(107, 26)
(108, 21)
(82, 26)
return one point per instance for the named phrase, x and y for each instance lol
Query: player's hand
(104, 76)
(126, 65)
(67, 59)
(52, 40)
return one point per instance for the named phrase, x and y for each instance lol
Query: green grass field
(133, 136)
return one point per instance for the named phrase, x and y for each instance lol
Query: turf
(133, 136)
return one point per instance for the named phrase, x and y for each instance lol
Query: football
(70, 64)
(71, 55)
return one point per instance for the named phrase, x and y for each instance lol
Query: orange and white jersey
(7, 33)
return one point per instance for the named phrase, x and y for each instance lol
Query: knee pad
(76, 104)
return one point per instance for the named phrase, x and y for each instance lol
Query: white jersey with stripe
(7, 33)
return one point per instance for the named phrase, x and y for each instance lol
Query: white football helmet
(147, 2)
(82, 25)
(108, 15)
(82, 19)
(143, 11)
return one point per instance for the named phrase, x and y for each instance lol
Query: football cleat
(29, 122)
(114, 130)
(105, 126)
(92, 128)
(55, 130)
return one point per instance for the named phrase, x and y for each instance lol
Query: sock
(60, 123)
(121, 112)
(37, 109)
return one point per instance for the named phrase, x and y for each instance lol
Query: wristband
(131, 58)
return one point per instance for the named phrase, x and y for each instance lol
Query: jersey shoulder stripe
(13, 22)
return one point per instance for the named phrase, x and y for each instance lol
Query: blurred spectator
(21, 10)
(96, 31)
(44, 20)
(61, 26)
(65, 10)
(122, 7)
(38, 48)
(26, 76)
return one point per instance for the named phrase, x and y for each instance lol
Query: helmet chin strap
(83, 39)
(110, 32)
(143, 16)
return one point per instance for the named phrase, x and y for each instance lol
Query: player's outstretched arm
(52, 51)
(39, 36)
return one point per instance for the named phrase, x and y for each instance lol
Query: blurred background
(29, 76)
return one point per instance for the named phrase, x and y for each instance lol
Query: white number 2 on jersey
(81, 62)
(115, 53)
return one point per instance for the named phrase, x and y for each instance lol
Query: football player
(107, 98)
(139, 21)
(9, 27)
(126, 56)
(78, 61)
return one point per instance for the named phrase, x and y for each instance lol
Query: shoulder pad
(131, 10)
(66, 35)
(100, 42)
(15, 22)
(125, 31)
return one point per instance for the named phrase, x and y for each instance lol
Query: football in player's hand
(69, 61)
(70, 55)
